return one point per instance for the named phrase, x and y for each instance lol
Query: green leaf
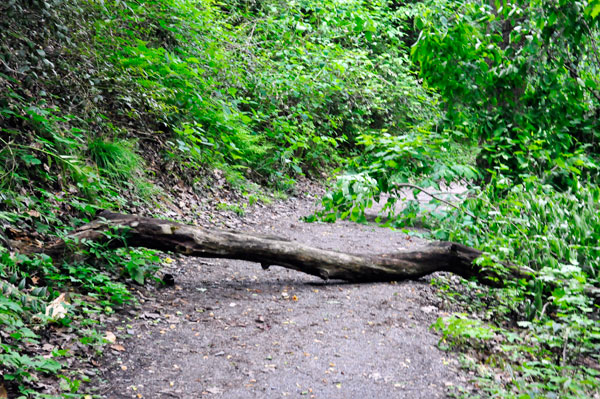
(30, 159)
(593, 9)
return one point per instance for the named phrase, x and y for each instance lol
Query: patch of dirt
(229, 329)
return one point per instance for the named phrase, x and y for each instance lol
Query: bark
(196, 241)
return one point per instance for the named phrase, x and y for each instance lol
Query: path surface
(228, 329)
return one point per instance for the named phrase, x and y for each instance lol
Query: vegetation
(103, 103)
(519, 85)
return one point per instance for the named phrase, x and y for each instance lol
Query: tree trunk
(195, 241)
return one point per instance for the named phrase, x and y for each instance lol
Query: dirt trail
(228, 329)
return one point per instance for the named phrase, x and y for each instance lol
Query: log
(190, 240)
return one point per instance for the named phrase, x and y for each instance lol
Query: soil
(228, 329)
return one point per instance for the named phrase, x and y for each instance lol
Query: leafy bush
(555, 234)
(269, 90)
(518, 84)
(386, 166)
(521, 78)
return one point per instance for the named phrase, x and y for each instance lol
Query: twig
(8, 68)
(563, 361)
(543, 310)
(249, 39)
(435, 197)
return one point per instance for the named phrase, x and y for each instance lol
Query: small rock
(429, 309)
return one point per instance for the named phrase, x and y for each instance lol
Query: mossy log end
(196, 241)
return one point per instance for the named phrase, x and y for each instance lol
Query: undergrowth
(531, 180)
(555, 349)
(67, 302)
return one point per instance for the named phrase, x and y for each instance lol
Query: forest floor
(229, 329)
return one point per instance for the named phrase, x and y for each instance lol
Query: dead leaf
(33, 213)
(48, 347)
(56, 310)
(3, 393)
(110, 337)
(428, 309)
(214, 390)
(118, 347)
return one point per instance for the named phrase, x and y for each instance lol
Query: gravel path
(228, 329)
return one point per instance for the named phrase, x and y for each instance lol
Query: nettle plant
(22, 319)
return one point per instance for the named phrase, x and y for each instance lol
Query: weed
(237, 209)
(116, 159)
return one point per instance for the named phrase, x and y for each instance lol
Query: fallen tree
(190, 240)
